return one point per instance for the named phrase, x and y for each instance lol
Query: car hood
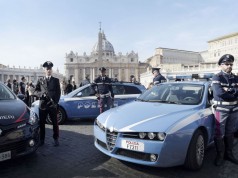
(13, 111)
(145, 116)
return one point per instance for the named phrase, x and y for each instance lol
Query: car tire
(196, 151)
(61, 116)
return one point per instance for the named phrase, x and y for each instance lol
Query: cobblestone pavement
(77, 157)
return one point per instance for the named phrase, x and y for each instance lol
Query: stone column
(2, 77)
(91, 74)
(76, 76)
(84, 73)
(110, 73)
(119, 74)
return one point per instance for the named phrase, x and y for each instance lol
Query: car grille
(10, 128)
(134, 154)
(111, 139)
(17, 147)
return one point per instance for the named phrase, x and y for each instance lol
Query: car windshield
(5, 93)
(174, 93)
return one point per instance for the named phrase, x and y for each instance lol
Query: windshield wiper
(138, 99)
(164, 101)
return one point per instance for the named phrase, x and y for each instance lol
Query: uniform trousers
(225, 123)
(105, 101)
(53, 115)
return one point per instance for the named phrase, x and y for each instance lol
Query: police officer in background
(104, 92)
(158, 78)
(225, 93)
(49, 103)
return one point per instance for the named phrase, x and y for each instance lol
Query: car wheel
(61, 116)
(196, 151)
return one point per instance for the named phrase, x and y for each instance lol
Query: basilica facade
(119, 66)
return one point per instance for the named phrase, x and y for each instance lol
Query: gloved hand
(97, 96)
(232, 90)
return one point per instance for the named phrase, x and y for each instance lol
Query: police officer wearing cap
(225, 93)
(104, 92)
(49, 103)
(158, 78)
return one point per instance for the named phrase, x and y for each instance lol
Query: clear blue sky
(33, 31)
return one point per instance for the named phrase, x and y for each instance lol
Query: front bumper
(16, 142)
(150, 148)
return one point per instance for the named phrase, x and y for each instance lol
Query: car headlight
(161, 136)
(142, 134)
(151, 135)
(99, 124)
(33, 119)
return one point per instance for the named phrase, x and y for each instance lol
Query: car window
(174, 93)
(5, 93)
(118, 89)
(87, 91)
(132, 90)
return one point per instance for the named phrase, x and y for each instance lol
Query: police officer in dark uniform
(104, 92)
(49, 102)
(225, 93)
(158, 78)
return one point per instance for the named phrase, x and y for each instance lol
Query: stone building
(31, 74)
(119, 66)
(174, 61)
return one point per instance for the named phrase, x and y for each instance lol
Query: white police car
(82, 102)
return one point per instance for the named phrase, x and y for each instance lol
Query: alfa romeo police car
(168, 125)
(82, 102)
(19, 127)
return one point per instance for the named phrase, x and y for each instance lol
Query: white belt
(105, 95)
(225, 103)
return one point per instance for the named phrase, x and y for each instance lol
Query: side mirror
(21, 97)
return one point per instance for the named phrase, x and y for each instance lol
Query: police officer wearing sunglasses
(225, 93)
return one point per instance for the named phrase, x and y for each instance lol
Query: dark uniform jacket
(219, 82)
(159, 79)
(103, 85)
(53, 89)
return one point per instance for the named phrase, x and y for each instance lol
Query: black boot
(220, 147)
(229, 146)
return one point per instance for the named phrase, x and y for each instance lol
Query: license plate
(5, 155)
(132, 145)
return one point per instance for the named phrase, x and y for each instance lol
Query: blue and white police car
(82, 102)
(19, 126)
(168, 125)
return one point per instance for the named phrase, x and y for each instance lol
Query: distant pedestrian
(9, 84)
(22, 86)
(62, 87)
(15, 87)
(85, 82)
(69, 87)
(74, 86)
(158, 78)
(31, 89)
